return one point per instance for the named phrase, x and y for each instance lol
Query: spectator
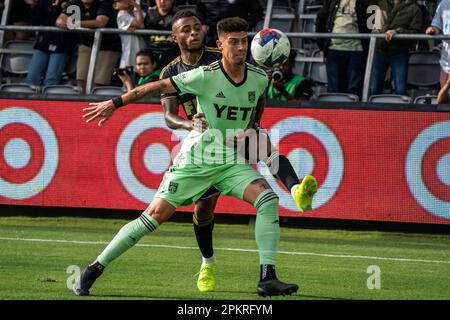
(20, 15)
(94, 14)
(441, 24)
(212, 11)
(130, 18)
(52, 50)
(146, 71)
(398, 17)
(289, 86)
(160, 18)
(345, 58)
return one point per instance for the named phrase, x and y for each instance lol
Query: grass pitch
(38, 258)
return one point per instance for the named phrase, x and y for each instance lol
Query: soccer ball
(270, 48)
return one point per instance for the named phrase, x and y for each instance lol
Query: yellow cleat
(207, 277)
(303, 195)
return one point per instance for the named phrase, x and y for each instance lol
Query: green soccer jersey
(228, 108)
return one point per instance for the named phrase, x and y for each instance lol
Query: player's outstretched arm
(105, 109)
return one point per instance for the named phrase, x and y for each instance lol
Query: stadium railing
(98, 33)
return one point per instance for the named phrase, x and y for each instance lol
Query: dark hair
(234, 24)
(146, 53)
(185, 13)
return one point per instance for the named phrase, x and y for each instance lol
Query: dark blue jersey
(189, 101)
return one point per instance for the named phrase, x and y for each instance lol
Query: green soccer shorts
(182, 186)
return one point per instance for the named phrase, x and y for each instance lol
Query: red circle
(315, 148)
(25, 132)
(429, 169)
(146, 138)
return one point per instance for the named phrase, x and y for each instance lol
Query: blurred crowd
(122, 57)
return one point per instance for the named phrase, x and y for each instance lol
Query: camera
(277, 75)
(122, 71)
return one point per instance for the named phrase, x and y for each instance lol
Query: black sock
(204, 238)
(96, 266)
(267, 272)
(282, 169)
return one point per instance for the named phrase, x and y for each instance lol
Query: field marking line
(234, 249)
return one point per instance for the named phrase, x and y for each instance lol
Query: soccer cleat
(87, 279)
(206, 281)
(304, 193)
(275, 287)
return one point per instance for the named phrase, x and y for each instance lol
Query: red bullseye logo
(313, 149)
(144, 154)
(428, 169)
(28, 153)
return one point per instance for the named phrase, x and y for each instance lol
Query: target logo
(312, 148)
(143, 154)
(29, 153)
(428, 169)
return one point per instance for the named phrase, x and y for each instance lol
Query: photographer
(146, 71)
(285, 85)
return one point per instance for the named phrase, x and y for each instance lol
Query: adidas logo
(220, 95)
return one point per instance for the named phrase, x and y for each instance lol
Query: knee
(204, 212)
(158, 212)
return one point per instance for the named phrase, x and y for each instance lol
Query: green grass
(38, 270)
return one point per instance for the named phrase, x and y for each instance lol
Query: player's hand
(198, 124)
(103, 110)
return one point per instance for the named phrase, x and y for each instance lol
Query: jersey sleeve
(167, 73)
(192, 81)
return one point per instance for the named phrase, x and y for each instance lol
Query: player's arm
(105, 109)
(174, 121)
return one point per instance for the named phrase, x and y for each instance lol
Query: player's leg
(281, 168)
(243, 182)
(267, 234)
(176, 189)
(203, 220)
(156, 213)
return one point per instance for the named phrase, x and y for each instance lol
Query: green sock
(127, 237)
(267, 228)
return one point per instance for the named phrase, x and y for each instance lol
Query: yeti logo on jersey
(251, 96)
(173, 186)
(232, 113)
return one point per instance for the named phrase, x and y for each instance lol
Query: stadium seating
(428, 99)
(337, 97)
(318, 74)
(19, 88)
(15, 60)
(61, 89)
(390, 98)
(282, 18)
(108, 91)
(423, 73)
